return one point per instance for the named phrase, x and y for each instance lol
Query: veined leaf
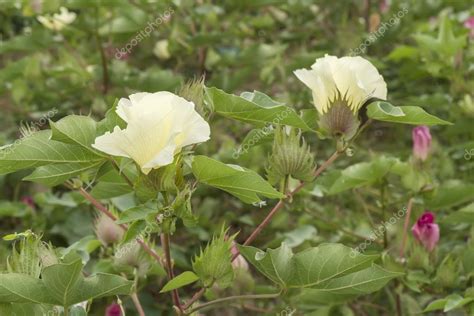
(52, 175)
(181, 280)
(75, 129)
(22, 288)
(362, 174)
(256, 108)
(350, 286)
(240, 182)
(414, 115)
(309, 268)
(38, 150)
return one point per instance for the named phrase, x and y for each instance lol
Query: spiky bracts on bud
(213, 264)
(339, 121)
(291, 156)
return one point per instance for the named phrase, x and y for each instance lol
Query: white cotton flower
(159, 125)
(59, 20)
(350, 80)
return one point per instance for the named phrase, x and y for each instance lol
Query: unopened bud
(291, 156)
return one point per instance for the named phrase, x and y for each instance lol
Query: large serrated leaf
(38, 150)
(240, 182)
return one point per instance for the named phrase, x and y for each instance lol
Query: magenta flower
(28, 200)
(421, 142)
(113, 310)
(469, 24)
(426, 231)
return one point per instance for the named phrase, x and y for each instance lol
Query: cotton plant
(154, 148)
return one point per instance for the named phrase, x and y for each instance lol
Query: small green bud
(47, 255)
(26, 260)
(193, 91)
(419, 258)
(447, 275)
(339, 121)
(291, 156)
(213, 264)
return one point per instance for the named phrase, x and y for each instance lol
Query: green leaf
(350, 286)
(464, 215)
(243, 183)
(414, 115)
(449, 303)
(136, 213)
(181, 280)
(309, 268)
(111, 120)
(52, 175)
(133, 231)
(110, 185)
(255, 108)
(451, 194)
(22, 288)
(67, 286)
(362, 174)
(75, 129)
(38, 150)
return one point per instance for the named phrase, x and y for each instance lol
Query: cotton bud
(107, 230)
(239, 262)
(421, 142)
(113, 310)
(291, 156)
(426, 231)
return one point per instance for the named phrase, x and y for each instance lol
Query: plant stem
(405, 228)
(232, 298)
(382, 201)
(137, 304)
(165, 243)
(66, 311)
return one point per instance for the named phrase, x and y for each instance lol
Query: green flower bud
(419, 258)
(26, 260)
(193, 91)
(291, 156)
(339, 121)
(47, 255)
(447, 274)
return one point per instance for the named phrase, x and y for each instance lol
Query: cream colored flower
(59, 20)
(350, 80)
(161, 50)
(159, 125)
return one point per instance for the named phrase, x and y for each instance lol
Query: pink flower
(28, 200)
(426, 231)
(421, 142)
(113, 310)
(384, 6)
(469, 24)
(239, 262)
